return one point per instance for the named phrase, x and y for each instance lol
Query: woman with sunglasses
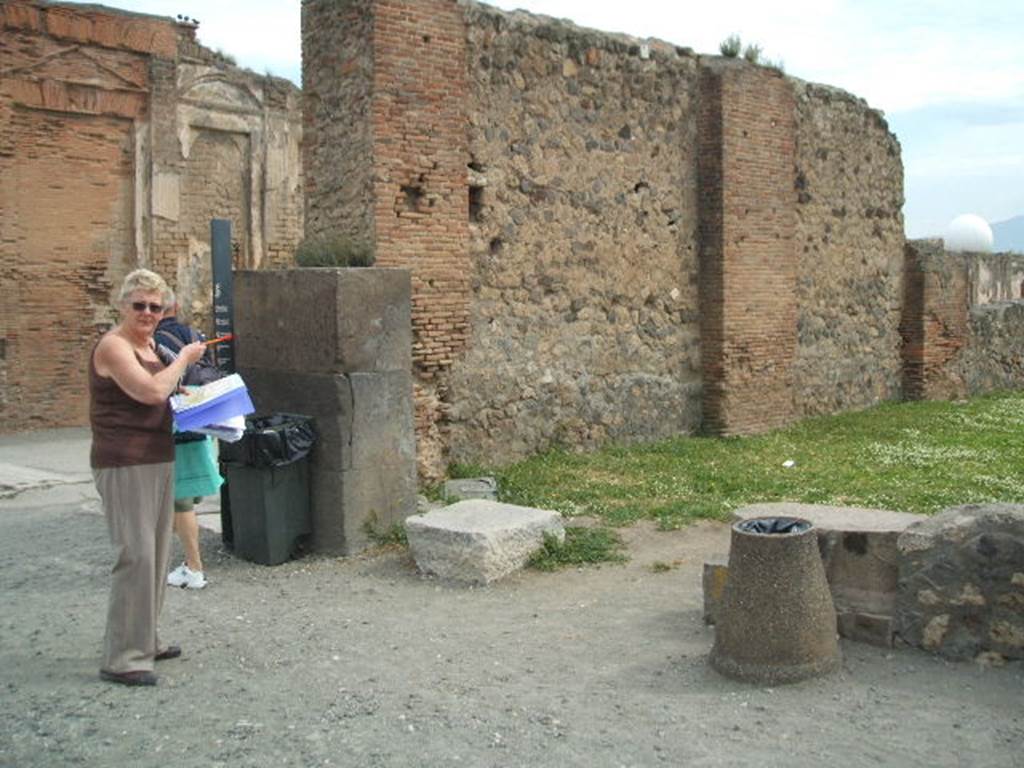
(132, 460)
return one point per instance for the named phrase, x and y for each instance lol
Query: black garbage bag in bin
(265, 510)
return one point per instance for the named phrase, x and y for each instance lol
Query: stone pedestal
(776, 623)
(336, 344)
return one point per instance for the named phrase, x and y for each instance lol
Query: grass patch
(393, 536)
(910, 457)
(582, 546)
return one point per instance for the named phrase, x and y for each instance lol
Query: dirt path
(362, 662)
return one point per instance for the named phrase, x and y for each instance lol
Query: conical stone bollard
(776, 623)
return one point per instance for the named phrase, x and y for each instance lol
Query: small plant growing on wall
(333, 250)
(752, 53)
(731, 46)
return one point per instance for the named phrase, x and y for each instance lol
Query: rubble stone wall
(849, 242)
(586, 304)
(582, 215)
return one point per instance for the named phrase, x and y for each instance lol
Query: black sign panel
(223, 292)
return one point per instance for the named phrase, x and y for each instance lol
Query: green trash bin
(267, 474)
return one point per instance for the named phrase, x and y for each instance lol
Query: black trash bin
(267, 514)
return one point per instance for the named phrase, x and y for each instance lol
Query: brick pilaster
(748, 260)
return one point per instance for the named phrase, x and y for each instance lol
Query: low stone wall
(961, 582)
(993, 358)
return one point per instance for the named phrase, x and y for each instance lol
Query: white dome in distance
(969, 232)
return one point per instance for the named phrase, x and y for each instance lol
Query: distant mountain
(1009, 235)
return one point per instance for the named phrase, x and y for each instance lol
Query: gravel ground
(362, 662)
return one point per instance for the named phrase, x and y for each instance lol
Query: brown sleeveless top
(126, 432)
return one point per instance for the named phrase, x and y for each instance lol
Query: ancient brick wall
(934, 324)
(68, 145)
(385, 159)
(555, 245)
(420, 196)
(953, 344)
(748, 264)
(99, 110)
(849, 238)
(582, 214)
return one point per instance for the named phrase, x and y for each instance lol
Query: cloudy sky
(949, 75)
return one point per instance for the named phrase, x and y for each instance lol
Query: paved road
(52, 466)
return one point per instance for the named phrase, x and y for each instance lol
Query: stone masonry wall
(993, 357)
(748, 264)
(582, 216)
(996, 277)
(935, 321)
(849, 237)
(337, 86)
(99, 110)
(554, 246)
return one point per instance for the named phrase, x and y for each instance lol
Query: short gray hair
(142, 280)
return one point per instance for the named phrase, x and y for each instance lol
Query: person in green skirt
(195, 465)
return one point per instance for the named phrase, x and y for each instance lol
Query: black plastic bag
(271, 441)
(774, 525)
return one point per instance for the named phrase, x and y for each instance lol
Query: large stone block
(363, 420)
(324, 320)
(961, 582)
(858, 550)
(479, 541)
(351, 506)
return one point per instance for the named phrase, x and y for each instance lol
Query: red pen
(219, 339)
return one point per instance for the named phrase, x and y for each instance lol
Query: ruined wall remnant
(996, 277)
(120, 137)
(935, 320)
(582, 214)
(849, 238)
(620, 240)
(955, 344)
(391, 75)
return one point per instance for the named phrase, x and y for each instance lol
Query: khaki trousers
(138, 503)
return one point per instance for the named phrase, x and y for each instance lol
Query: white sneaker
(183, 576)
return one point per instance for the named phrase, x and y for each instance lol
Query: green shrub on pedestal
(333, 251)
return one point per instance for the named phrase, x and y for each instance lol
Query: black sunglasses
(140, 306)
